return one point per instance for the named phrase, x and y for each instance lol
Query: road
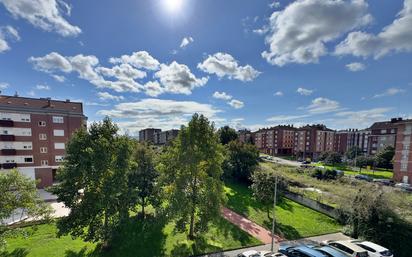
(283, 161)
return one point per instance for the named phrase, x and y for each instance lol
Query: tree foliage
(227, 134)
(192, 170)
(241, 160)
(363, 161)
(331, 158)
(143, 178)
(353, 152)
(19, 196)
(94, 182)
(384, 158)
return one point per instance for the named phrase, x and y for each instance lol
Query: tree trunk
(143, 205)
(192, 225)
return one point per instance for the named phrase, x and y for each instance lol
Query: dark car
(300, 251)
(363, 177)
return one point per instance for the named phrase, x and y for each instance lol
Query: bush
(323, 174)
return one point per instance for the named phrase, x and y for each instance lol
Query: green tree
(353, 152)
(94, 182)
(363, 161)
(333, 158)
(384, 158)
(19, 193)
(227, 134)
(192, 169)
(142, 178)
(263, 187)
(241, 160)
(323, 156)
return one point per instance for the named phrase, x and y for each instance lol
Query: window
(42, 123)
(59, 146)
(383, 131)
(58, 119)
(26, 146)
(43, 149)
(58, 132)
(404, 166)
(28, 159)
(42, 136)
(44, 162)
(406, 147)
(59, 158)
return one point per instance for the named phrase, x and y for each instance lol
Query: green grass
(153, 237)
(293, 220)
(378, 173)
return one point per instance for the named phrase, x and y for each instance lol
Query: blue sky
(245, 63)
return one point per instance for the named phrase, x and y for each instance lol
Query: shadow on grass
(240, 199)
(134, 238)
(19, 252)
(285, 231)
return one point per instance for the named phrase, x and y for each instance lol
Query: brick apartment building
(345, 139)
(402, 166)
(165, 137)
(311, 140)
(245, 136)
(148, 135)
(34, 133)
(382, 134)
(277, 140)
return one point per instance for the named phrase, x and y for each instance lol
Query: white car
(348, 248)
(253, 253)
(373, 249)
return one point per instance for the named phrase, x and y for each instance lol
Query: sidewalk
(248, 226)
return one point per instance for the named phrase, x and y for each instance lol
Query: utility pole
(273, 214)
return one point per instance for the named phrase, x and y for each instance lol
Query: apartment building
(34, 133)
(311, 140)
(345, 139)
(149, 135)
(245, 136)
(277, 140)
(402, 166)
(165, 137)
(261, 140)
(382, 134)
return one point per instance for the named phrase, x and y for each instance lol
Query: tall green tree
(241, 160)
(363, 161)
(353, 152)
(18, 195)
(333, 158)
(192, 172)
(94, 182)
(384, 158)
(143, 178)
(227, 134)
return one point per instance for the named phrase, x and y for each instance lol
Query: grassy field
(293, 220)
(151, 238)
(378, 173)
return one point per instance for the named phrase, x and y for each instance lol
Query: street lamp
(273, 214)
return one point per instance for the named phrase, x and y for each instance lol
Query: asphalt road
(283, 161)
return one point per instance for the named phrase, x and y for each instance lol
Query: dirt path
(248, 226)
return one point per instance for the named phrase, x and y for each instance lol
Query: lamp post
(273, 214)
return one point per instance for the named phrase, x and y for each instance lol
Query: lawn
(378, 174)
(150, 238)
(293, 220)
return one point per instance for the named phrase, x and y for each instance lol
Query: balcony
(7, 137)
(10, 165)
(6, 123)
(8, 151)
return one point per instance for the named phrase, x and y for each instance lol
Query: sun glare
(173, 6)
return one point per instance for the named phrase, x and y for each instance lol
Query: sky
(243, 63)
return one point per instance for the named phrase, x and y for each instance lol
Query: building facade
(245, 136)
(165, 137)
(402, 165)
(383, 134)
(34, 133)
(311, 140)
(277, 140)
(149, 135)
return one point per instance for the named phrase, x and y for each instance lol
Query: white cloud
(44, 14)
(223, 64)
(236, 104)
(7, 33)
(298, 33)
(390, 92)
(104, 96)
(178, 79)
(4, 85)
(153, 88)
(396, 37)
(278, 93)
(304, 91)
(359, 119)
(221, 95)
(186, 41)
(141, 59)
(51, 62)
(274, 4)
(122, 71)
(158, 113)
(355, 66)
(323, 105)
(286, 118)
(59, 78)
(42, 87)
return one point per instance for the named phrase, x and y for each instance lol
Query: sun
(173, 6)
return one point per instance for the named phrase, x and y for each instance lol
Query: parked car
(404, 187)
(300, 251)
(348, 248)
(363, 177)
(373, 249)
(271, 254)
(385, 182)
(330, 251)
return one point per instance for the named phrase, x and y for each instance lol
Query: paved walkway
(248, 226)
